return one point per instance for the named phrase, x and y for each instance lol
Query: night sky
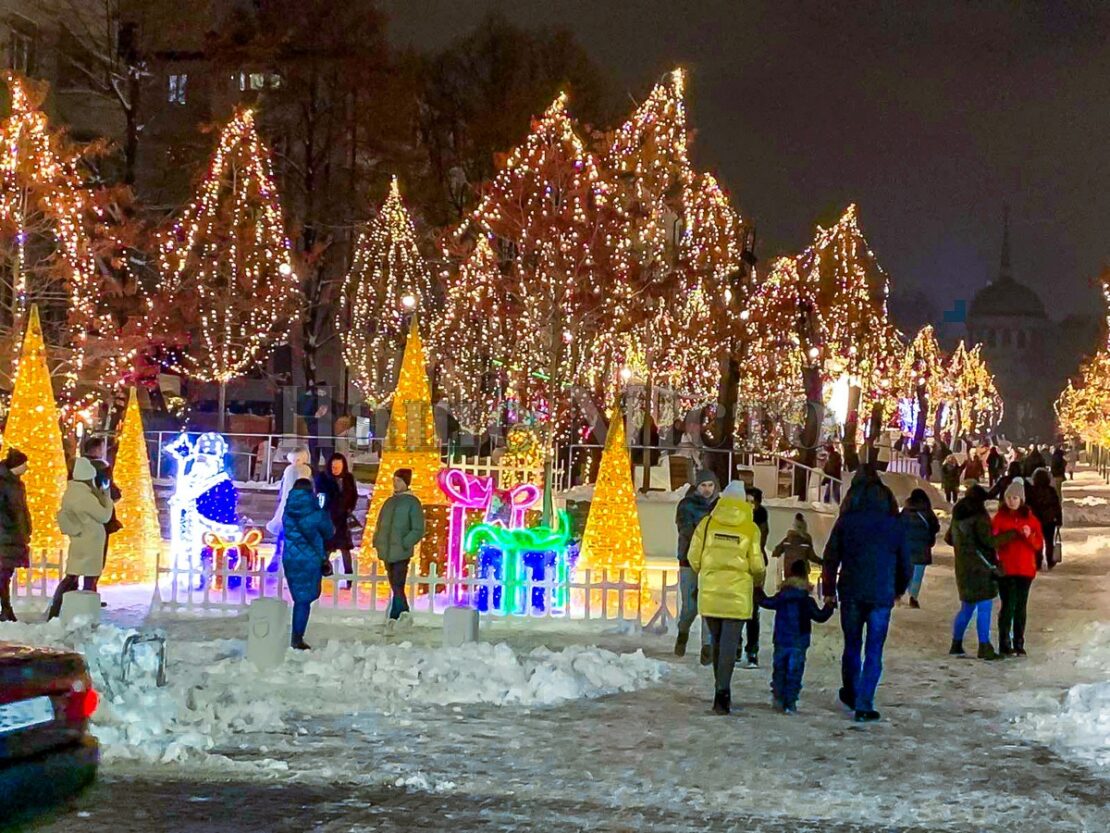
(928, 115)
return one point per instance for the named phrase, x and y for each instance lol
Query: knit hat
(14, 459)
(706, 476)
(83, 469)
(735, 489)
(800, 523)
(1016, 487)
(405, 475)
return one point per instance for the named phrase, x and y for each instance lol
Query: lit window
(176, 90)
(258, 81)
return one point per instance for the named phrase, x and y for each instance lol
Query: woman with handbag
(1018, 560)
(337, 484)
(306, 526)
(977, 570)
(921, 527)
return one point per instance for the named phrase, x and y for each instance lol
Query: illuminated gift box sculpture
(501, 546)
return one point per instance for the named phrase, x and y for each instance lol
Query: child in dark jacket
(797, 545)
(795, 613)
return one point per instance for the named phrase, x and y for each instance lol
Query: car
(46, 752)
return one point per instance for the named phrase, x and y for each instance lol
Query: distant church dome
(1006, 297)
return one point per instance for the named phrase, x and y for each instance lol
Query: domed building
(1008, 318)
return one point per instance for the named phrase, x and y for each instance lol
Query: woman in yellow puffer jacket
(726, 555)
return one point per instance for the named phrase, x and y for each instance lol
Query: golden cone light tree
(387, 268)
(226, 264)
(133, 550)
(613, 540)
(33, 427)
(410, 442)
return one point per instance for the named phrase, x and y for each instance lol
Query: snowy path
(956, 750)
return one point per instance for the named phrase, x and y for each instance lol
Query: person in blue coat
(307, 526)
(795, 613)
(867, 567)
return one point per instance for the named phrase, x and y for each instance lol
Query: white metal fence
(647, 598)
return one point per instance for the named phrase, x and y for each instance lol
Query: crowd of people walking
(876, 556)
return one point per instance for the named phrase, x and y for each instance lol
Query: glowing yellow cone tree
(387, 268)
(33, 427)
(613, 540)
(410, 442)
(133, 550)
(226, 264)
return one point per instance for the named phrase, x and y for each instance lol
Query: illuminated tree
(973, 402)
(547, 214)
(387, 269)
(33, 427)
(410, 441)
(1083, 408)
(920, 379)
(133, 550)
(473, 337)
(226, 268)
(55, 249)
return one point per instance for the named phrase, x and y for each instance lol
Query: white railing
(39, 580)
(648, 597)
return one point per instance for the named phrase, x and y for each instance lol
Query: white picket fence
(647, 598)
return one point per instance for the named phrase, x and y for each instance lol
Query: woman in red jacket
(1018, 562)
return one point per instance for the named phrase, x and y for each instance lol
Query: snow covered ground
(613, 720)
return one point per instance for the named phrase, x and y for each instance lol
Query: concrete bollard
(460, 625)
(83, 603)
(268, 632)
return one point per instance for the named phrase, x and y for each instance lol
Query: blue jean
(982, 612)
(688, 587)
(861, 679)
(915, 583)
(789, 666)
(300, 619)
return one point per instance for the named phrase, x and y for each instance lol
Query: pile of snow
(1086, 511)
(1080, 727)
(213, 694)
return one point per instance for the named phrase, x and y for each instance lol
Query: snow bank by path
(213, 694)
(1080, 727)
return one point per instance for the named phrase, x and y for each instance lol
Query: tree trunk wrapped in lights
(33, 427)
(921, 380)
(226, 264)
(387, 276)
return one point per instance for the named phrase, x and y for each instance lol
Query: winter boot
(7, 614)
(752, 661)
(987, 652)
(706, 657)
(722, 702)
(914, 603)
(1005, 648)
(1019, 651)
(680, 644)
(300, 645)
(847, 698)
(867, 716)
(957, 649)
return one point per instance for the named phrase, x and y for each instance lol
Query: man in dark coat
(1033, 460)
(867, 567)
(695, 505)
(996, 464)
(15, 527)
(306, 527)
(1059, 468)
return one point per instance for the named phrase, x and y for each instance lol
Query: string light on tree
(226, 262)
(388, 278)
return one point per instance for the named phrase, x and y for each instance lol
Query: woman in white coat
(297, 469)
(85, 510)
